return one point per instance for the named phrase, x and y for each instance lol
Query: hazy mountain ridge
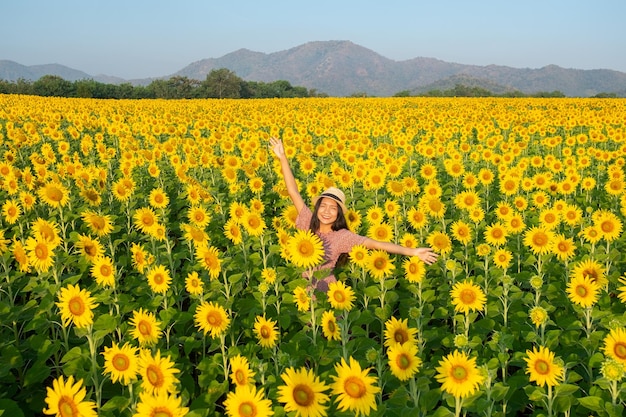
(341, 68)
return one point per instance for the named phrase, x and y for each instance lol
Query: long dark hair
(340, 222)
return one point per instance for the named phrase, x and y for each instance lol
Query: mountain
(342, 68)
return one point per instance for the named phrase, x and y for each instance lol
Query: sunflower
(240, 372)
(354, 389)
(440, 242)
(121, 363)
(76, 306)
(265, 332)
(549, 218)
(467, 296)
(145, 219)
(381, 231)
(591, 269)
(459, 374)
(66, 398)
(247, 401)
(340, 296)
(193, 283)
(194, 235)
(403, 361)
(208, 257)
(496, 234)
(433, 206)
(90, 248)
(609, 225)
(467, 200)
(146, 329)
(303, 392)
(103, 270)
(398, 332)
(541, 366)
(11, 211)
(379, 265)
(615, 345)
(159, 279)
(18, 251)
(158, 374)
(359, 255)
(306, 249)
(54, 194)
(158, 199)
(374, 215)
(538, 315)
(199, 216)
(462, 232)
(100, 225)
(160, 404)
(233, 232)
(502, 258)
(539, 240)
(211, 318)
(591, 234)
(253, 223)
(330, 329)
(302, 298)
(237, 211)
(140, 258)
(622, 289)
(414, 269)
(48, 230)
(564, 247)
(417, 218)
(40, 253)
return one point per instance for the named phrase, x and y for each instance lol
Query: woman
(328, 221)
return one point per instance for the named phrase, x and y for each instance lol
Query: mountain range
(342, 68)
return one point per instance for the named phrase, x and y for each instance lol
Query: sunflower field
(150, 264)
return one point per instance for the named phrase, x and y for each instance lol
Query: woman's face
(327, 211)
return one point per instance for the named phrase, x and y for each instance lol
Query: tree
(221, 83)
(53, 86)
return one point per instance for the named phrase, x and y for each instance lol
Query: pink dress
(335, 243)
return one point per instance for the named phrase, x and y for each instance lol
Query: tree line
(219, 83)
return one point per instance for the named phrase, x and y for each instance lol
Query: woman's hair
(340, 222)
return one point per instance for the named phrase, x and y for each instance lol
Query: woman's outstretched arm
(290, 181)
(425, 254)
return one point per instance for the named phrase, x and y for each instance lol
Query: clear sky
(152, 38)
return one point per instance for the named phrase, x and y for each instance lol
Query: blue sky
(142, 38)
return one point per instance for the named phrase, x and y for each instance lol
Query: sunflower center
(540, 239)
(468, 296)
(354, 387)
(459, 373)
(105, 270)
(413, 268)
(144, 328)
(76, 306)
(54, 194)
(380, 263)
(161, 412)
(265, 332)
(620, 350)
(67, 407)
(607, 226)
(147, 220)
(401, 337)
(213, 319)
(339, 297)
(581, 291)
(542, 367)
(247, 409)
(97, 223)
(155, 376)
(305, 248)
(331, 326)
(120, 362)
(158, 279)
(240, 377)
(41, 251)
(303, 395)
(90, 249)
(403, 362)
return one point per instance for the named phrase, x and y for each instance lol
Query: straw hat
(335, 194)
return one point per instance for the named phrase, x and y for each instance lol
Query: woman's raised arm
(290, 181)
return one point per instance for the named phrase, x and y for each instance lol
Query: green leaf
(117, 403)
(10, 408)
(565, 389)
(592, 403)
(499, 391)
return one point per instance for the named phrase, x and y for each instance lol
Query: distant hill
(342, 68)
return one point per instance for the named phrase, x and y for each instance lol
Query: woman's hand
(277, 147)
(426, 254)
